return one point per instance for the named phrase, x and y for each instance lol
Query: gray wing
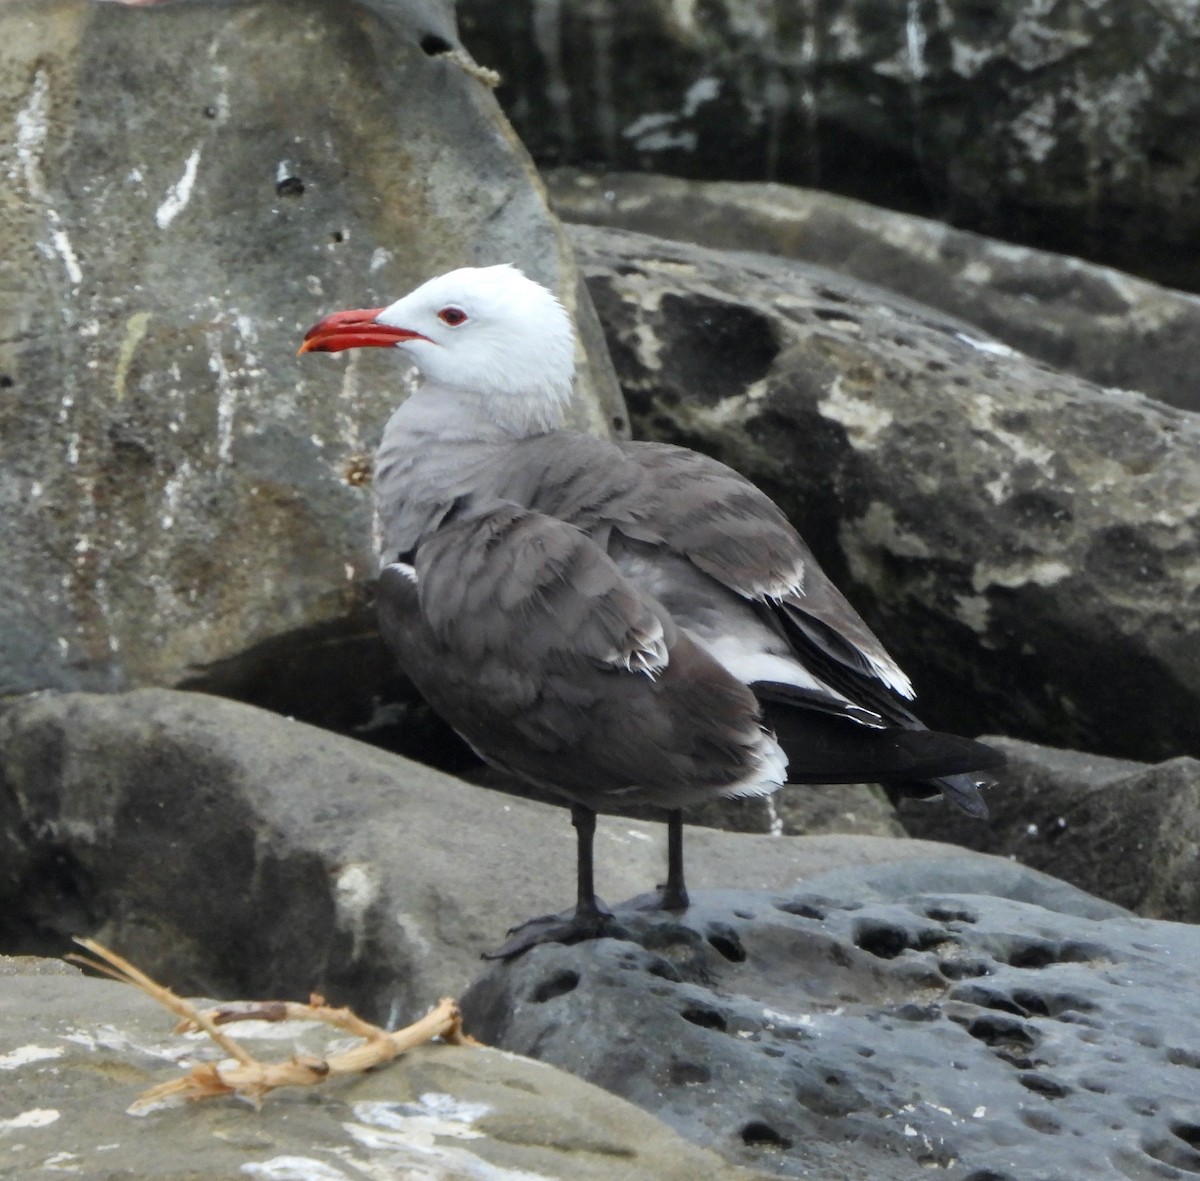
(516, 586)
(736, 534)
(684, 504)
(528, 640)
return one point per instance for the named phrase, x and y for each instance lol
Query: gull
(618, 623)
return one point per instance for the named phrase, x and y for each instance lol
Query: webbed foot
(569, 927)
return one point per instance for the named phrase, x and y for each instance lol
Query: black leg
(674, 894)
(584, 820)
(589, 919)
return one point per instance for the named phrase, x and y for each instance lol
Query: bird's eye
(452, 316)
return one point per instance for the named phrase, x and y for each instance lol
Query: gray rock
(962, 873)
(234, 853)
(1064, 126)
(1088, 320)
(794, 810)
(1024, 541)
(74, 1053)
(809, 808)
(815, 1033)
(190, 186)
(1123, 830)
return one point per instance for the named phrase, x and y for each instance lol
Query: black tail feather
(823, 748)
(963, 791)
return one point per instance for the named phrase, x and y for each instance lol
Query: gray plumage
(557, 669)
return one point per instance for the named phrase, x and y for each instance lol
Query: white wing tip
(407, 572)
(768, 773)
(651, 660)
(647, 653)
(779, 591)
(893, 676)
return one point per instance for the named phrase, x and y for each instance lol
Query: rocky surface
(870, 995)
(74, 1053)
(1024, 541)
(1061, 125)
(189, 186)
(238, 854)
(885, 1032)
(809, 808)
(1097, 323)
(1123, 830)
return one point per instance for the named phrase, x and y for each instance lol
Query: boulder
(190, 187)
(872, 1026)
(235, 853)
(797, 809)
(1024, 541)
(1120, 829)
(794, 810)
(75, 1052)
(1109, 327)
(1062, 126)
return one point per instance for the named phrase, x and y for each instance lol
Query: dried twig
(461, 58)
(246, 1075)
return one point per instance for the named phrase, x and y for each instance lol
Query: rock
(234, 853)
(190, 186)
(794, 810)
(1123, 830)
(76, 1052)
(1024, 541)
(962, 873)
(818, 1032)
(1094, 322)
(1065, 127)
(806, 808)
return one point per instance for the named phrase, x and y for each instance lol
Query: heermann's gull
(619, 623)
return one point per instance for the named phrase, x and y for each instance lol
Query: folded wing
(525, 636)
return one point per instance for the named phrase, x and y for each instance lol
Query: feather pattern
(630, 604)
(596, 694)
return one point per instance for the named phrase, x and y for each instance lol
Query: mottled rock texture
(1063, 125)
(1120, 829)
(235, 853)
(1095, 322)
(888, 1032)
(189, 186)
(74, 1053)
(1025, 541)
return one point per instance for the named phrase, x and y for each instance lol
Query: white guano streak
(226, 397)
(24, 1055)
(914, 41)
(36, 1117)
(32, 124)
(179, 194)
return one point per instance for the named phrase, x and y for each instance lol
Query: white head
(487, 331)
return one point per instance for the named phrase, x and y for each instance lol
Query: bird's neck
(440, 445)
(440, 413)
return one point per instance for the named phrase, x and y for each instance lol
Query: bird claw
(568, 927)
(665, 898)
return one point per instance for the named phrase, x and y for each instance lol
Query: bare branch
(246, 1075)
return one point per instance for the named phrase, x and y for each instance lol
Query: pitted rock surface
(814, 1032)
(1025, 541)
(1100, 324)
